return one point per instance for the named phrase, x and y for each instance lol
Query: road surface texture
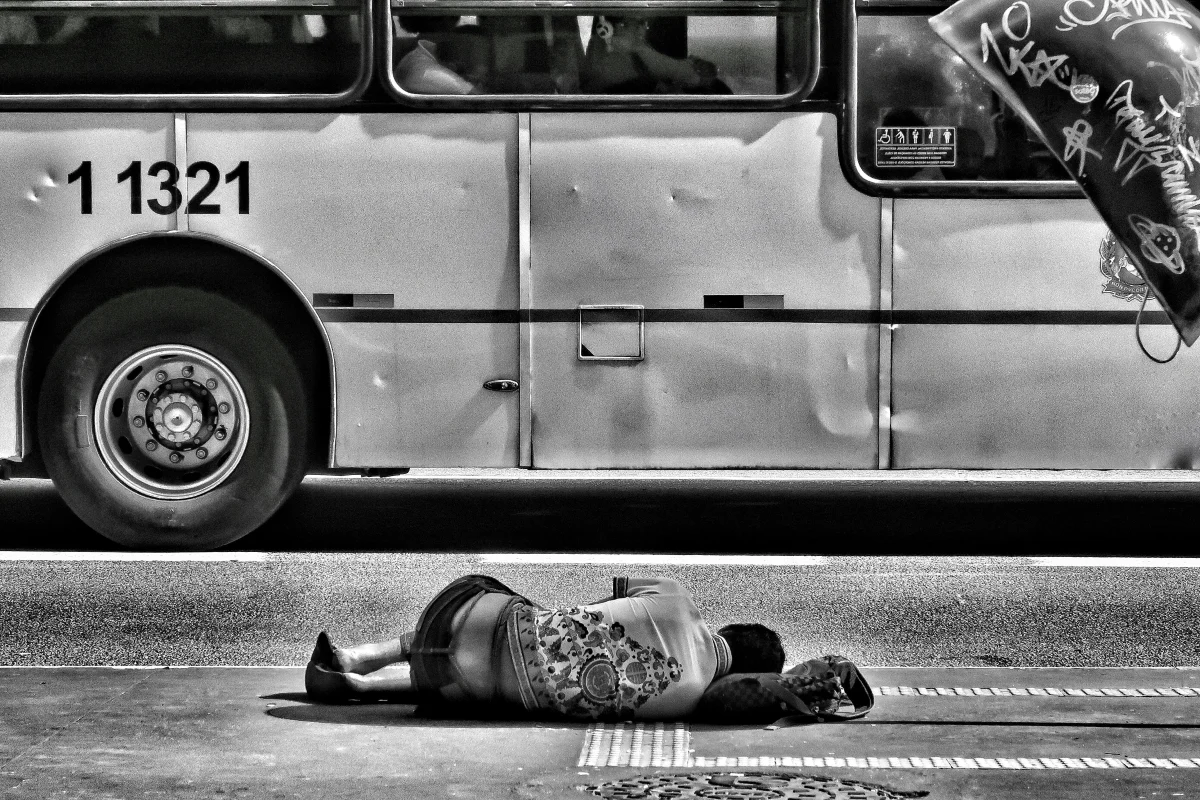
(141, 675)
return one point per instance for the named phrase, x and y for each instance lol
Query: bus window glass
(183, 48)
(923, 114)
(751, 53)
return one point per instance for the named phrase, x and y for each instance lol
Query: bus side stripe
(801, 315)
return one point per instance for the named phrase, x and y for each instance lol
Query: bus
(250, 240)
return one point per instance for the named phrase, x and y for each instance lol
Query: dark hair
(754, 647)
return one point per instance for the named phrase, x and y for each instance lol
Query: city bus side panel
(662, 210)
(402, 227)
(1048, 382)
(47, 227)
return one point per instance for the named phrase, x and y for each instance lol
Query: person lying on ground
(644, 653)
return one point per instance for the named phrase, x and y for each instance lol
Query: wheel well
(181, 261)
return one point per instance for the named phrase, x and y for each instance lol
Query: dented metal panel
(1042, 396)
(710, 395)
(45, 229)
(412, 394)
(659, 210)
(421, 206)
(11, 334)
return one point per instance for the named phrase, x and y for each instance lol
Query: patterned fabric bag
(813, 691)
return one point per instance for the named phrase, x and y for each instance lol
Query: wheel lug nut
(187, 372)
(143, 394)
(220, 434)
(223, 408)
(138, 422)
(160, 376)
(175, 458)
(201, 453)
(151, 445)
(211, 383)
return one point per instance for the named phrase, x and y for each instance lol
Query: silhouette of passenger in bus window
(116, 31)
(533, 54)
(441, 57)
(247, 30)
(621, 60)
(17, 29)
(276, 28)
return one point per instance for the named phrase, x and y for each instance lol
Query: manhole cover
(744, 786)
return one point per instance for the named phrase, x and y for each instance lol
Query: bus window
(736, 49)
(182, 47)
(923, 114)
(18, 29)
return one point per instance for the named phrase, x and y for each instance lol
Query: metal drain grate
(743, 786)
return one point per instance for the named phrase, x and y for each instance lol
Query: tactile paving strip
(639, 744)
(1017, 691)
(743, 786)
(636, 744)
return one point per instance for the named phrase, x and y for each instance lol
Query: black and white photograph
(625, 399)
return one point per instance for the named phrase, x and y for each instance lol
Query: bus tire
(204, 425)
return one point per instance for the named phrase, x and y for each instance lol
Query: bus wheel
(173, 418)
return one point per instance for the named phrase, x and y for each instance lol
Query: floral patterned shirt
(645, 654)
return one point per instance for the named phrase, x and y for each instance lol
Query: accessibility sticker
(926, 146)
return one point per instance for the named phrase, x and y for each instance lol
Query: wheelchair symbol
(885, 135)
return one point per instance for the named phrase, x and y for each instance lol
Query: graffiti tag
(1076, 13)
(1146, 147)
(1036, 70)
(1077, 137)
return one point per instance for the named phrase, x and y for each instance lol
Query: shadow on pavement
(395, 714)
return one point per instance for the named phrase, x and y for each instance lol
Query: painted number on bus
(170, 197)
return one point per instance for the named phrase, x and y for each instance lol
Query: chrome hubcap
(171, 422)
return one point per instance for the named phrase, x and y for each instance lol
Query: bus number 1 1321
(168, 175)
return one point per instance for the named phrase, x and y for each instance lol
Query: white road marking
(944, 762)
(1107, 562)
(89, 555)
(1099, 562)
(649, 558)
(149, 666)
(1032, 691)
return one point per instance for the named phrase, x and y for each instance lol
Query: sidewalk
(209, 732)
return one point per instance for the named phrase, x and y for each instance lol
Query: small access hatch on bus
(612, 333)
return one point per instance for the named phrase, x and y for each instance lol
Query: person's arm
(677, 70)
(421, 73)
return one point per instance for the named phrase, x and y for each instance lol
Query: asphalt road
(462, 511)
(264, 609)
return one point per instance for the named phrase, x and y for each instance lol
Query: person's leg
(366, 658)
(360, 659)
(325, 685)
